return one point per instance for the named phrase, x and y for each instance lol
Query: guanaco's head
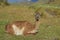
(37, 16)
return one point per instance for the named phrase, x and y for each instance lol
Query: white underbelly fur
(33, 31)
(17, 31)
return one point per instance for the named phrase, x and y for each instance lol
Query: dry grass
(49, 27)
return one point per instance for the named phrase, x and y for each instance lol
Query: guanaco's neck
(37, 24)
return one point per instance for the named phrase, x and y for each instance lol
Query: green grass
(49, 28)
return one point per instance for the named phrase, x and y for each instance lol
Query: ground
(49, 28)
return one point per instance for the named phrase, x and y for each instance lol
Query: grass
(49, 28)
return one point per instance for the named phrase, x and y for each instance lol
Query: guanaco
(23, 27)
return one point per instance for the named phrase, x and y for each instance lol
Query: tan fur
(28, 27)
